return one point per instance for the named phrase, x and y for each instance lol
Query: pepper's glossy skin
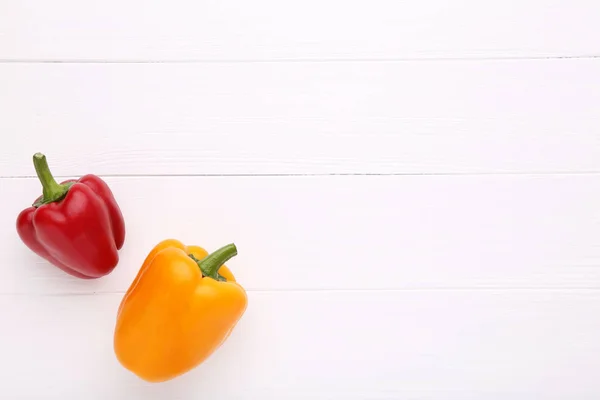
(172, 318)
(81, 233)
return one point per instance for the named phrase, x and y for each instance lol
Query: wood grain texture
(302, 118)
(304, 233)
(312, 29)
(322, 345)
(413, 187)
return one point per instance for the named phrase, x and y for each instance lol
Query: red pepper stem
(52, 190)
(210, 264)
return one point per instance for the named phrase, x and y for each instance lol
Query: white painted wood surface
(312, 29)
(413, 186)
(347, 232)
(316, 118)
(463, 344)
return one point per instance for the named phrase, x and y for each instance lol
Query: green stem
(210, 264)
(52, 190)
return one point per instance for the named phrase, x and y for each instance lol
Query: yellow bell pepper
(180, 308)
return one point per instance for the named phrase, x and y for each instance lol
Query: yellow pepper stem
(210, 264)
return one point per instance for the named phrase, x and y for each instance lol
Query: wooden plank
(369, 232)
(312, 29)
(354, 345)
(282, 118)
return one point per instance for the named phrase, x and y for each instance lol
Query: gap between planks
(259, 175)
(531, 289)
(296, 60)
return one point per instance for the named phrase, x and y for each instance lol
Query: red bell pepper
(75, 225)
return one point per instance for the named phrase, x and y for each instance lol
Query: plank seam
(293, 60)
(355, 290)
(266, 175)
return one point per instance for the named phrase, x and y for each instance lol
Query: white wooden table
(413, 187)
